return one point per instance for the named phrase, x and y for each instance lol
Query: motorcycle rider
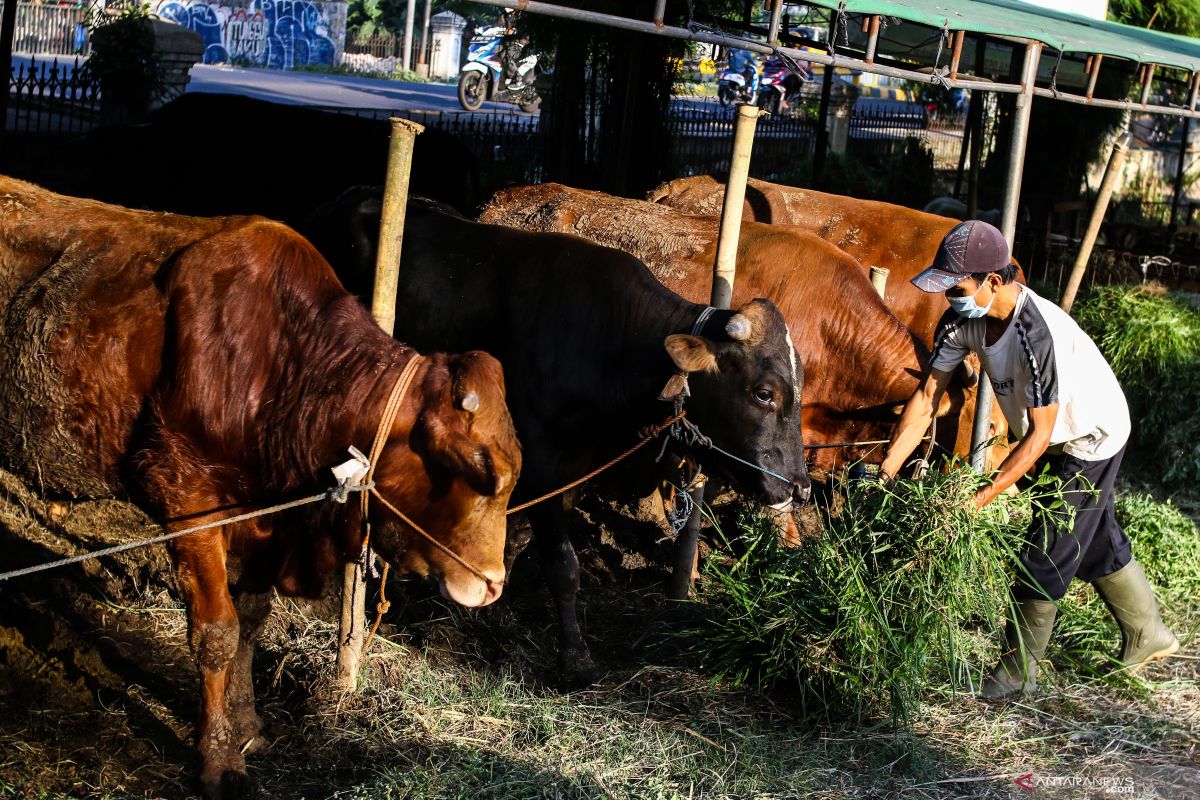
(745, 63)
(511, 48)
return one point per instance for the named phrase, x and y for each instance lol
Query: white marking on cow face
(787, 335)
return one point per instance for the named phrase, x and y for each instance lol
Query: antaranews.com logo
(1114, 785)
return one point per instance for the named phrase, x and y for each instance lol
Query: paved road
(342, 91)
(351, 91)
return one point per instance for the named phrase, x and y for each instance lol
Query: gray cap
(969, 247)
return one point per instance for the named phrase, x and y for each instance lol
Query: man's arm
(1024, 455)
(914, 421)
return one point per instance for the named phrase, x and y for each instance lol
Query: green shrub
(861, 619)
(1152, 341)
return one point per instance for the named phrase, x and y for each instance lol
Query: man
(745, 63)
(1061, 399)
(512, 48)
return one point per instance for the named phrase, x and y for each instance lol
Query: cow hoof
(577, 670)
(231, 786)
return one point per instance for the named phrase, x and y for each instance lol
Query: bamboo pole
(724, 272)
(725, 267)
(1112, 171)
(352, 627)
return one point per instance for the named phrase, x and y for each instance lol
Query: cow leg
(252, 612)
(213, 634)
(561, 568)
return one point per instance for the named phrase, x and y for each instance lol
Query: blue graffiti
(278, 34)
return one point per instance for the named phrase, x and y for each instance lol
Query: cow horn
(469, 402)
(739, 328)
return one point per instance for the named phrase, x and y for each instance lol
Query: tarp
(1059, 30)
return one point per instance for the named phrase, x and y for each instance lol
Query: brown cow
(209, 365)
(877, 234)
(859, 360)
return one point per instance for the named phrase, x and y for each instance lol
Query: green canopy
(1059, 30)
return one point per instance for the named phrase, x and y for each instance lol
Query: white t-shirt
(1044, 357)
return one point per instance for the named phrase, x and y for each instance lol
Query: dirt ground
(98, 696)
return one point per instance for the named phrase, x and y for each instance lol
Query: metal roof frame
(699, 33)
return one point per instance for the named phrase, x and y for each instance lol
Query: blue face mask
(967, 307)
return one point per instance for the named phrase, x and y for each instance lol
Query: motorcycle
(781, 87)
(732, 88)
(482, 77)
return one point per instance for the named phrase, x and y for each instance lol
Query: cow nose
(493, 592)
(802, 491)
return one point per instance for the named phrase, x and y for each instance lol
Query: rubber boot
(1144, 637)
(1025, 641)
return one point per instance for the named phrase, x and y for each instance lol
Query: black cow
(218, 154)
(588, 338)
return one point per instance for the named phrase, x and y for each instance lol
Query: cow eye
(764, 397)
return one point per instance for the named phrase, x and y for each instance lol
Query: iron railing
(52, 97)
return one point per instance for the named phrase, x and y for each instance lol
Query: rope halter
(395, 400)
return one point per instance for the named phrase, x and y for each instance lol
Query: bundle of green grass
(903, 595)
(1151, 337)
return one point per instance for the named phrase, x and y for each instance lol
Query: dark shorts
(1056, 551)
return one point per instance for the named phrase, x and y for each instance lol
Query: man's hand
(914, 421)
(1022, 457)
(984, 496)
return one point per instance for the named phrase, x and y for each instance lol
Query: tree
(1169, 16)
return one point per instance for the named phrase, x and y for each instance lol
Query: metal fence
(700, 143)
(52, 97)
(379, 45)
(51, 29)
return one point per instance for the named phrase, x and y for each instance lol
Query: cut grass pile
(98, 695)
(903, 594)
(858, 618)
(1151, 338)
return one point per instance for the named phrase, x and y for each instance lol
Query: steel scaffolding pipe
(1012, 195)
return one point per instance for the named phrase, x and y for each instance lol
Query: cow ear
(691, 353)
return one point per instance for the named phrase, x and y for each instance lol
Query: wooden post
(353, 623)
(879, 277)
(1184, 137)
(680, 586)
(1116, 160)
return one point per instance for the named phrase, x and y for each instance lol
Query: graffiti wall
(278, 34)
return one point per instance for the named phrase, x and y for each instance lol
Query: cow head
(745, 381)
(454, 478)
